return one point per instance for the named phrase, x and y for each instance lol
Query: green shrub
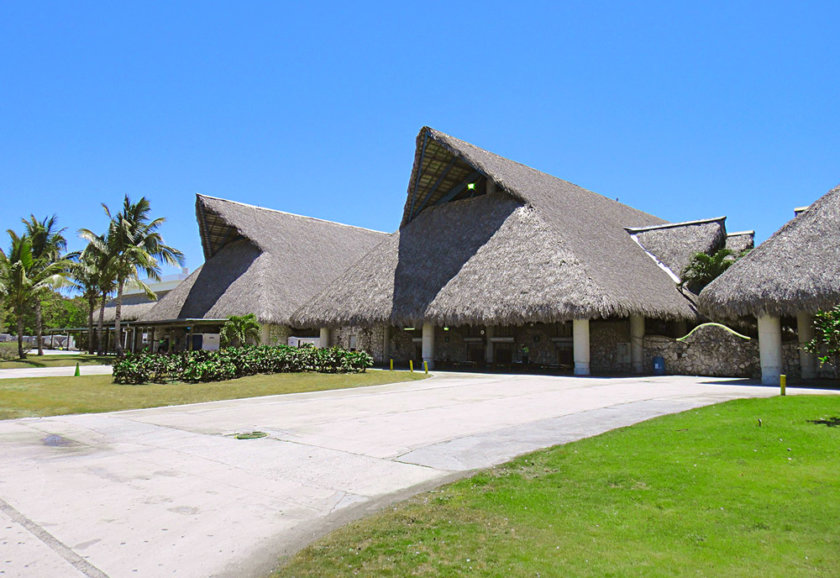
(9, 350)
(234, 362)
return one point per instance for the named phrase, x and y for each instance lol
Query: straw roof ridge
(796, 270)
(221, 221)
(261, 261)
(134, 306)
(473, 259)
(675, 244)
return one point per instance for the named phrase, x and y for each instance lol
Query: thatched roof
(676, 243)
(517, 246)
(261, 261)
(134, 306)
(797, 269)
(740, 241)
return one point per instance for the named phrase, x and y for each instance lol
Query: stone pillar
(386, 344)
(325, 337)
(265, 334)
(637, 343)
(429, 344)
(580, 344)
(491, 186)
(770, 348)
(805, 331)
(489, 354)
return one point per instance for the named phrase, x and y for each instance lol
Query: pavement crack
(52, 542)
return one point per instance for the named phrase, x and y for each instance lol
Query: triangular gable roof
(261, 261)
(585, 230)
(796, 270)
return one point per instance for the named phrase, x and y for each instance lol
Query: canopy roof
(261, 261)
(486, 240)
(795, 270)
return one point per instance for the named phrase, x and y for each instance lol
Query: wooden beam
(419, 173)
(458, 188)
(434, 187)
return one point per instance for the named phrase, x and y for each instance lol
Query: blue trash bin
(658, 365)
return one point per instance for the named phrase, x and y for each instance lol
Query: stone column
(265, 334)
(637, 343)
(580, 344)
(491, 186)
(489, 354)
(770, 348)
(325, 337)
(429, 344)
(805, 331)
(386, 344)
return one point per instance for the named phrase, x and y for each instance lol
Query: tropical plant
(704, 268)
(235, 362)
(132, 244)
(240, 330)
(48, 244)
(92, 277)
(826, 341)
(23, 278)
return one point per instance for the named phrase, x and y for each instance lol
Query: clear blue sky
(685, 110)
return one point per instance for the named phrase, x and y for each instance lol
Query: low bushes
(233, 362)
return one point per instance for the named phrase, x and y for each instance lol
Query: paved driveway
(169, 491)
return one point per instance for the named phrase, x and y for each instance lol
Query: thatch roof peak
(796, 269)
(721, 220)
(261, 261)
(487, 240)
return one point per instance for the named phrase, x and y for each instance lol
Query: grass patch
(32, 361)
(43, 396)
(708, 492)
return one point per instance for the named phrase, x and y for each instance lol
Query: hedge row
(233, 362)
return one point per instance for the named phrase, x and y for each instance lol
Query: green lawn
(29, 397)
(32, 360)
(709, 492)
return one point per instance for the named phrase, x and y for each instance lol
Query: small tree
(826, 342)
(704, 268)
(239, 330)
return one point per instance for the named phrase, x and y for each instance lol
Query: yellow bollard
(783, 382)
(426, 367)
(392, 365)
(411, 365)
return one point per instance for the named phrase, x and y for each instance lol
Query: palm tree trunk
(91, 305)
(39, 326)
(99, 349)
(21, 354)
(117, 328)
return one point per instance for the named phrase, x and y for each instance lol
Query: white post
(325, 337)
(805, 331)
(580, 344)
(637, 343)
(386, 345)
(429, 344)
(489, 355)
(770, 349)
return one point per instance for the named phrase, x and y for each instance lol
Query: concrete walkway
(171, 491)
(54, 372)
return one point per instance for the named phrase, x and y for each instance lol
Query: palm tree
(133, 244)
(100, 260)
(239, 330)
(86, 275)
(703, 268)
(23, 279)
(47, 243)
